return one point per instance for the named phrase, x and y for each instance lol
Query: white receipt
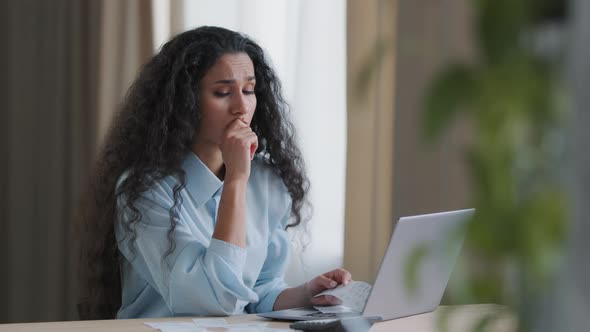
(354, 295)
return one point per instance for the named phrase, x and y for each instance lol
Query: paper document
(210, 322)
(353, 296)
(175, 326)
(202, 325)
(182, 329)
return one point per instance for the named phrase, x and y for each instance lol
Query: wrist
(294, 297)
(306, 295)
(237, 179)
(234, 192)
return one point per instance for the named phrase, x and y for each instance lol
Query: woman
(195, 187)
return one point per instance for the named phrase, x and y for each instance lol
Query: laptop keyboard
(320, 314)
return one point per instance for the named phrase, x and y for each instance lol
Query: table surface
(459, 318)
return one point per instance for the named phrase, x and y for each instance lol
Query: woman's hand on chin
(238, 146)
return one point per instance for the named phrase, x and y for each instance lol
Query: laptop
(437, 239)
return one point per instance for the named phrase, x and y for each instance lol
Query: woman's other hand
(324, 282)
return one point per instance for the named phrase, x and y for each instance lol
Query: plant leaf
(412, 265)
(453, 89)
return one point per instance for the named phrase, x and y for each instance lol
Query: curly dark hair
(153, 133)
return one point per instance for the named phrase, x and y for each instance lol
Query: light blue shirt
(202, 275)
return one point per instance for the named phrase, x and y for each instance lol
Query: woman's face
(226, 94)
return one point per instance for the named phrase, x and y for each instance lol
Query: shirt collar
(201, 183)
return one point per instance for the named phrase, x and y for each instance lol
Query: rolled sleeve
(215, 278)
(270, 295)
(233, 255)
(270, 282)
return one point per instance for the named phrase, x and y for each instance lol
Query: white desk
(462, 319)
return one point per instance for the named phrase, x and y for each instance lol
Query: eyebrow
(233, 80)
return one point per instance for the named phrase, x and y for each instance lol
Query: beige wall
(370, 134)
(390, 172)
(427, 178)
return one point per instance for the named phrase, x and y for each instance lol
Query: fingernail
(333, 284)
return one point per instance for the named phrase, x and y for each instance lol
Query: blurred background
(358, 75)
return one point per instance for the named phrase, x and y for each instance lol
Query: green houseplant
(511, 96)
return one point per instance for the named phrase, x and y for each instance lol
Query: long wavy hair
(151, 135)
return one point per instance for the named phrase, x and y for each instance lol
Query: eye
(248, 92)
(221, 94)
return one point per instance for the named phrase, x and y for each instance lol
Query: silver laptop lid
(429, 238)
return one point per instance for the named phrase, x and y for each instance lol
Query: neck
(211, 156)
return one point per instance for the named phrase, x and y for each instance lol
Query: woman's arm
(198, 277)
(239, 144)
(231, 220)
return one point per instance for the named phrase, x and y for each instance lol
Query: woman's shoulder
(157, 189)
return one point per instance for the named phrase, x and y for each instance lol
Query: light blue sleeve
(270, 282)
(195, 279)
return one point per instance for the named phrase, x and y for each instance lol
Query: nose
(240, 105)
